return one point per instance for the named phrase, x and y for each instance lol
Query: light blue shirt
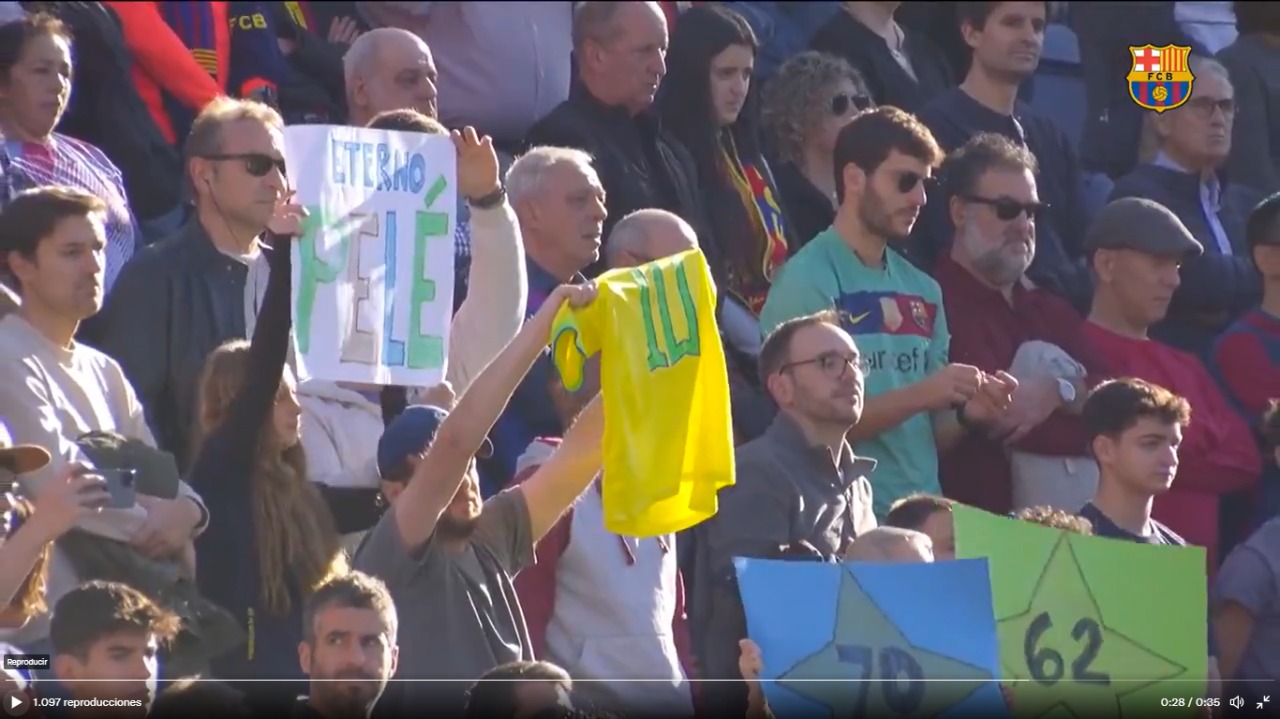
(1210, 201)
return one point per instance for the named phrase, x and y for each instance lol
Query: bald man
(389, 69)
(648, 235)
(891, 544)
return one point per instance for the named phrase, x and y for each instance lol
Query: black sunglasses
(907, 181)
(255, 163)
(1009, 209)
(840, 103)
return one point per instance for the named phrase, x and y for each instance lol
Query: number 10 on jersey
(664, 348)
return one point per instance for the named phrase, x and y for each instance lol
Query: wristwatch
(493, 199)
(1066, 391)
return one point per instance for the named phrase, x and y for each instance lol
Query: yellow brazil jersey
(668, 437)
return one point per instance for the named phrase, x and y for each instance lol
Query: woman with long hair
(271, 538)
(804, 107)
(708, 103)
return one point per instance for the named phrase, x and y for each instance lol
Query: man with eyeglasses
(1034, 453)
(1194, 141)
(180, 298)
(919, 403)
(800, 490)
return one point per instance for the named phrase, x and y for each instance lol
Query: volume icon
(1237, 702)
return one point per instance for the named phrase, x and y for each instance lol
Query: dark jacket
(807, 210)
(844, 36)
(172, 305)
(316, 92)
(639, 165)
(1216, 288)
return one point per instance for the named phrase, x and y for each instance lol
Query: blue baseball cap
(411, 433)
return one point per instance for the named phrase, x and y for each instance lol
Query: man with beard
(1006, 39)
(917, 403)
(349, 647)
(448, 560)
(800, 488)
(1000, 322)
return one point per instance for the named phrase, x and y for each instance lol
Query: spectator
(1253, 60)
(800, 488)
(930, 514)
(389, 69)
(1210, 25)
(272, 540)
(187, 54)
(1137, 247)
(199, 699)
(708, 104)
(503, 66)
(1135, 431)
(519, 689)
(891, 544)
(35, 67)
(560, 205)
(902, 67)
(349, 646)
(1246, 357)
(185, 295)
(804, 107)
(885, 158)
(1194, 140)
(619, 50)
(342, 421)
(1006, 39)
(105, 99)
(1244, 608)
(1055, 519)
(54, 391)
(1036, 452)
(106, 644)
(28, 530)
(451, 558)
(609, 607)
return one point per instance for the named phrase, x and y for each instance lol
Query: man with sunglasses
(185, 295)
(918, 403)
(1000, 322)
(1194, 141)
(800, 490)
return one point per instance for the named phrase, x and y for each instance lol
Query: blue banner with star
(874, 640)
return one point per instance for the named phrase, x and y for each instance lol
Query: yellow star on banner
(867, 645)
(1074, 661)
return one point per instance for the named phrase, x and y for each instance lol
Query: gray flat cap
(1134, 223)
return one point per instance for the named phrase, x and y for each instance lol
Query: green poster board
(1092, 627)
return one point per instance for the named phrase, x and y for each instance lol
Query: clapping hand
(477, 164)
(343, 31)
(1033, 403)
(994, 395)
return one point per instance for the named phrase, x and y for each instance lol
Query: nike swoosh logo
(859, 318)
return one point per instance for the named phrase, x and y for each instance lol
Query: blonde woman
(271, 538)
(805, 105)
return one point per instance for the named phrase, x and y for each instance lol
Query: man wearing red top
(1000, 322)
(1137, 247)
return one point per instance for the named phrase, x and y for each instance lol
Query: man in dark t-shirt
(1135, 428)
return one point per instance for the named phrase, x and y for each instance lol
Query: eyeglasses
(1007, 208)
(255, 163)
(841, 102)
(831, 364)
(1204, 107)
(907, 181)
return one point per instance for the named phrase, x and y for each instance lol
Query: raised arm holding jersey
(448, 559)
